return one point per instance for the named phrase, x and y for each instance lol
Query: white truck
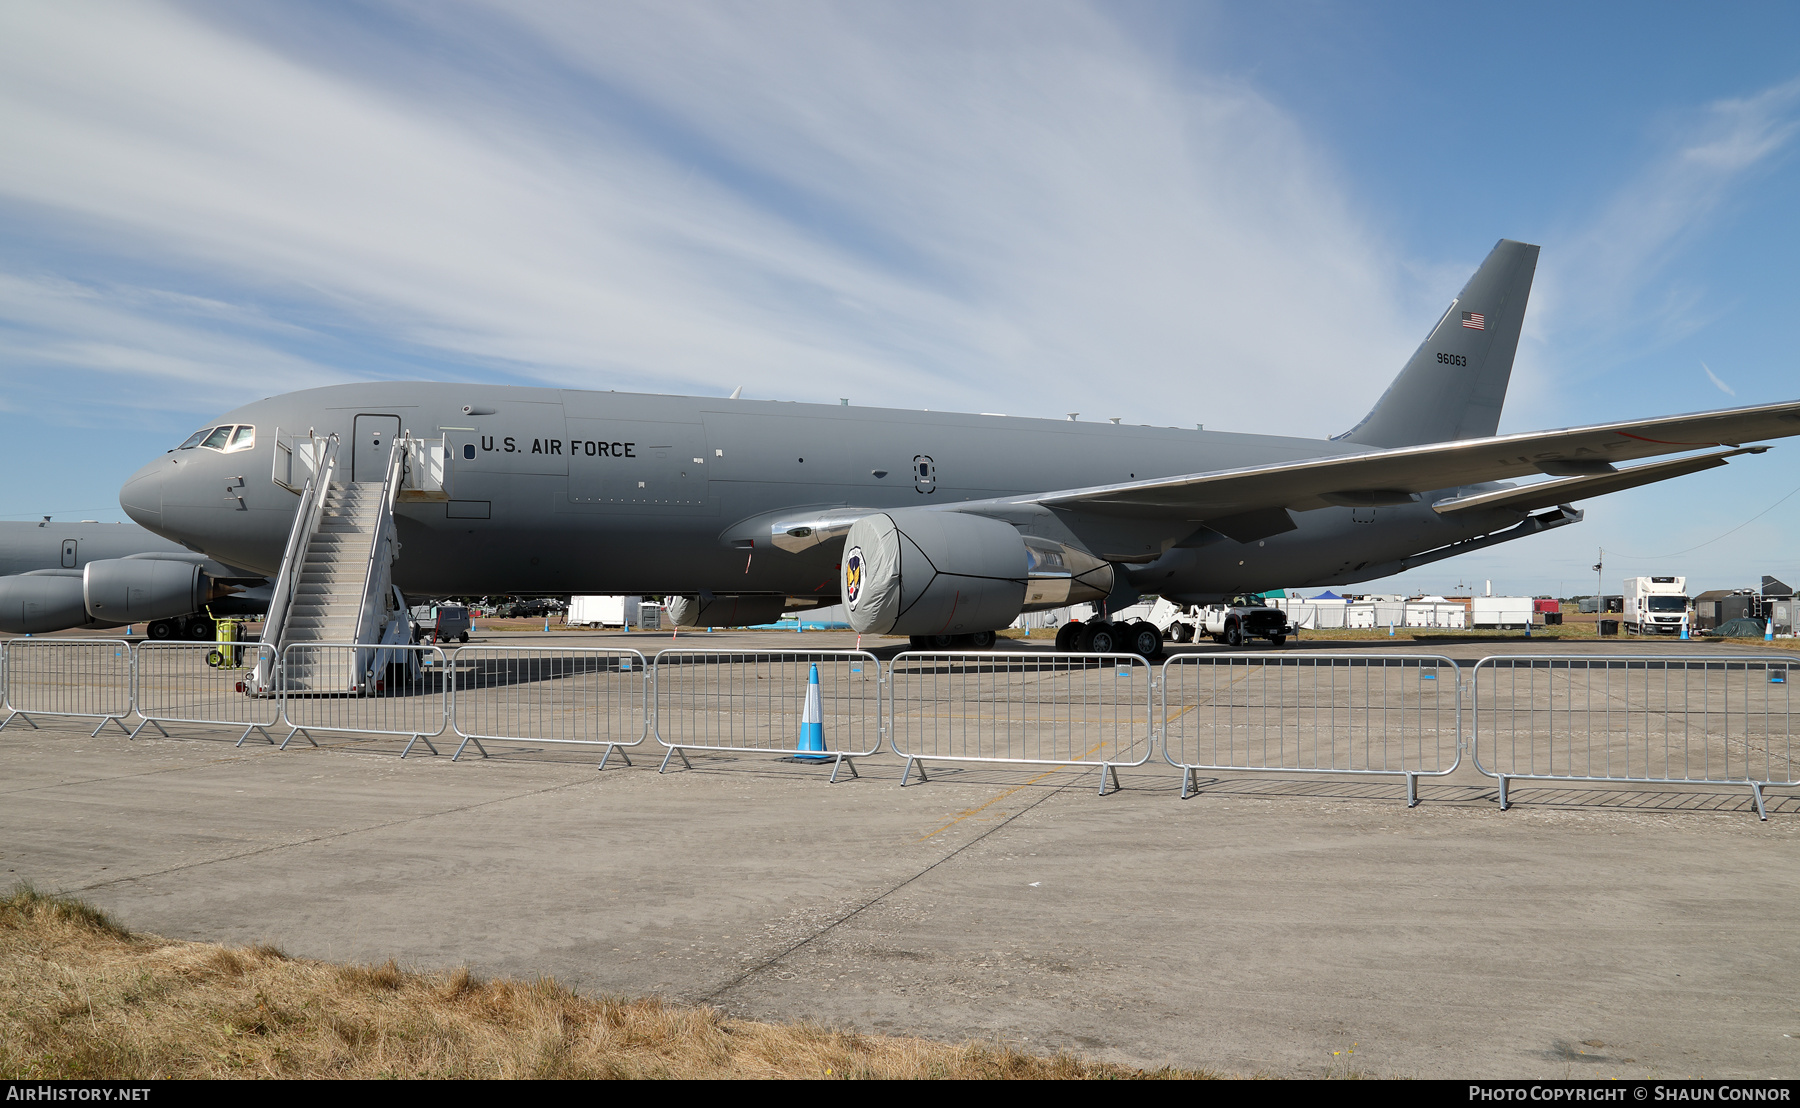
(605, 611)
(1654, 605)
(1233, 623)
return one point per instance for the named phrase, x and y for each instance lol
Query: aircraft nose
(141, 496)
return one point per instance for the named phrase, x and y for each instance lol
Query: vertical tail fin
(1455, 384)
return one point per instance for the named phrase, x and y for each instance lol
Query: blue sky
(1242, 215)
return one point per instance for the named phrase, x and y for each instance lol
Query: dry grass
(81, 997)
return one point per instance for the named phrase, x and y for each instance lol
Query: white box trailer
(1436, 612)
(1501, 612)
(605, 611)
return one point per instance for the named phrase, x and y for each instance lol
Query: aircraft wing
(1544, 494)
(1395, 476)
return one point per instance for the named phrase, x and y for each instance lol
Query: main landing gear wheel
(1100, 638)
(1146, 639)
(1068, 635)
(981, 640)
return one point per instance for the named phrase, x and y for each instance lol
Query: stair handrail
(306, 523)
(374, 597)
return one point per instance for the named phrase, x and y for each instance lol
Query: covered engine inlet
(725, 611)
(923, 572)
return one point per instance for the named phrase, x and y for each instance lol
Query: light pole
(1599, 592)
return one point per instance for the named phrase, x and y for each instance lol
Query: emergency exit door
(371, 443)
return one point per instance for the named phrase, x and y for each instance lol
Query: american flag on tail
(1475, 321)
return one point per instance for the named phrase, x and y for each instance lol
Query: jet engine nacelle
(919, 572)
(33, 603)
(131, 590)
(725, 611)
(922, 572)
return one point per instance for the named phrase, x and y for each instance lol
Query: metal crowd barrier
(202, 682)
(1023, 707)
(88, 678)
(372, 690)
(1379, 714)
(743, 701)
(549, 694)
(1644, 720)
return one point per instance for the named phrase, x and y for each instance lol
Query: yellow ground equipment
(229, 653)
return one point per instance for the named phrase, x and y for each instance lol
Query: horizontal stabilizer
(1568, 489)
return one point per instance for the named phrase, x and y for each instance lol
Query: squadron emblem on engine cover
(853, 574)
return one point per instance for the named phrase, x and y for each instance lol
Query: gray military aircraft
(925, 524)
(45, 569)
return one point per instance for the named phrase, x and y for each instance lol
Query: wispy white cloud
(992, 208)
(1714, 378)
(75, 350)
(1612, 290)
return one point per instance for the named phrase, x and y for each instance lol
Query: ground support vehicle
(442, 622)
(1243, 619)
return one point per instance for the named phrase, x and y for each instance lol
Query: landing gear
(1146, 639)
(182, 627)
(1100, 638)
(1067, 635)
(981, 640)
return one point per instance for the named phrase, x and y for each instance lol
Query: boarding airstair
(336, 580)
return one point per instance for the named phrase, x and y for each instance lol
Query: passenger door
(370, 445)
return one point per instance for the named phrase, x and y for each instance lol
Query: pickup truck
(1243, 618)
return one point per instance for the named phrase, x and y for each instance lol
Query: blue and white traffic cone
(812, 721)
(1769, 631)
(1684, 627)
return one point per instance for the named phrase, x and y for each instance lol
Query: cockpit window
(194, 439)
(217, 439)
(242, 439)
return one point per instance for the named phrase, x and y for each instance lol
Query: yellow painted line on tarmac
(981, 808)
(1058, 769)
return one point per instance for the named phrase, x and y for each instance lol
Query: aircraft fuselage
(563, 491)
